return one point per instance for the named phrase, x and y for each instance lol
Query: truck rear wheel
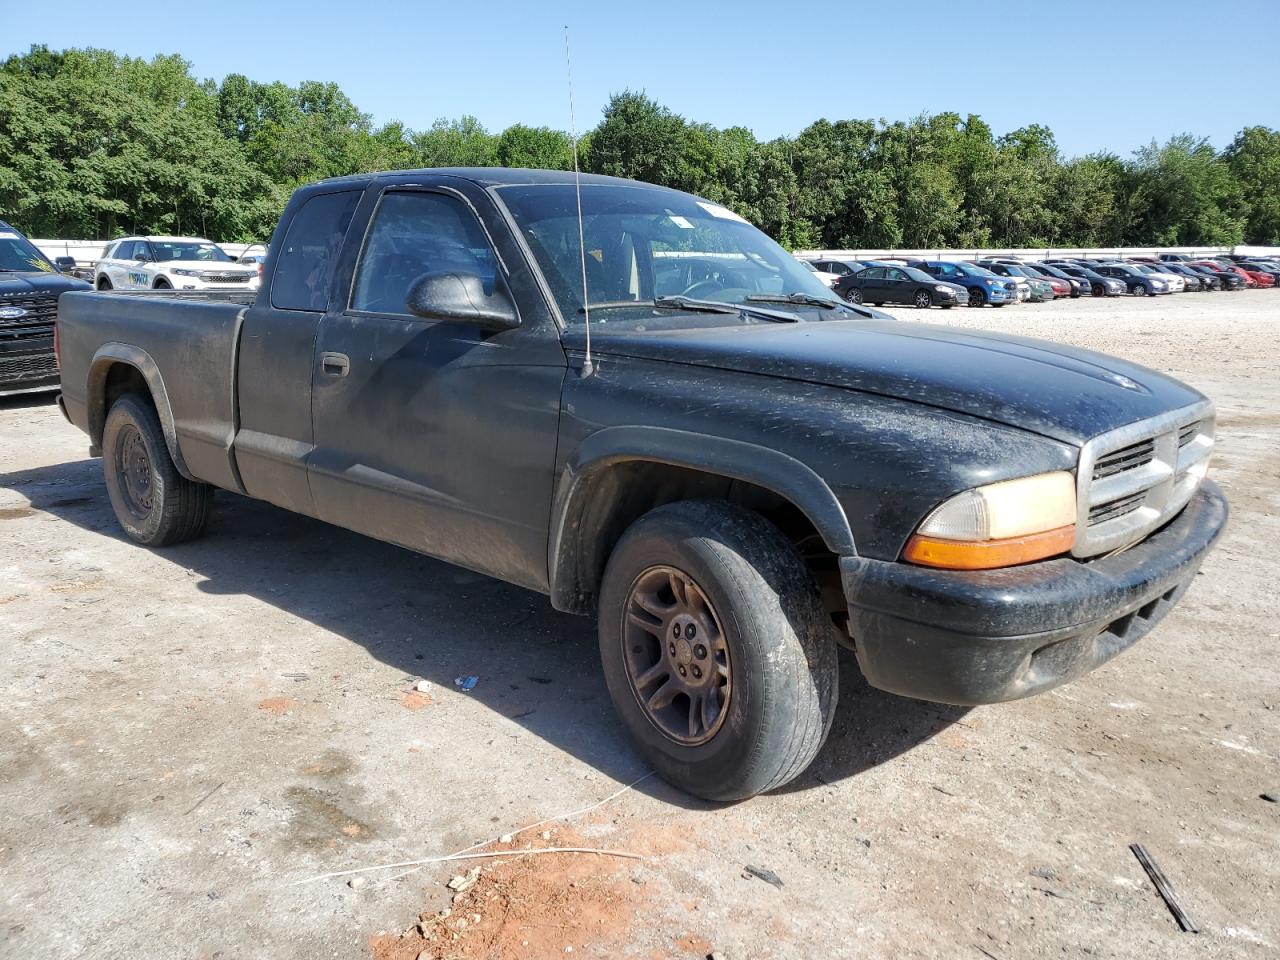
(156, 505)
(716, 648)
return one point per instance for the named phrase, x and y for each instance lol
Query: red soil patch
(413, 700)
(277, 706)
(530, 908)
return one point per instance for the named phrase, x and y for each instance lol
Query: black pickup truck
(735, 472)
(29, 290)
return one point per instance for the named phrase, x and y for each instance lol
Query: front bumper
(972, 637)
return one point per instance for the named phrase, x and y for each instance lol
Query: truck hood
(37, 283)
(1060, 392)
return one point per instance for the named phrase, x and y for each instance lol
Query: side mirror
(65, 264)
(461, 298)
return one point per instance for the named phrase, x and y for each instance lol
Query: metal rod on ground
(1164, 888)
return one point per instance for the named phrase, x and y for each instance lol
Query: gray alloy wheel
(977, 297)
(855, 295)
(923, 300)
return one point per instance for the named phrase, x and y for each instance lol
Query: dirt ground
(186, 734)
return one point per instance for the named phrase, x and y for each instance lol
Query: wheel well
(119, 379)
(618, 495)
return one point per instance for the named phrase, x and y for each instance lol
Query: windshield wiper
(695, 306)
(807, 299)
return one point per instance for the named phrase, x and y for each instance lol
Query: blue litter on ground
(466, 683)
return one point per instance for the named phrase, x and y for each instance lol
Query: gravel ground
(186, 733)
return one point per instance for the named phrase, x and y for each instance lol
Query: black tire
(103, 283)
(155, 504)
(1099, 290)
(163, 284)
(878, 303)
(977, 297)
(780, 664)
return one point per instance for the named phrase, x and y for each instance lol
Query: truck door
(277, 347)
(433, 434)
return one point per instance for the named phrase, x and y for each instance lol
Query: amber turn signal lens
(988, 554)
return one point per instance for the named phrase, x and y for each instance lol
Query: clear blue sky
(1079, 67)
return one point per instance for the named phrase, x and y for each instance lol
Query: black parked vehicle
(29, 288)
(841, 268)
(1099, 286)
(1228, 279)
(1195, 281)
(891, 284)
(732, 478)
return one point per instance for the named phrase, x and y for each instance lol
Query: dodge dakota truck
(29, 289)
(631, 400)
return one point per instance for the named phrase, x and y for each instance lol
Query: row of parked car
(1004, 280)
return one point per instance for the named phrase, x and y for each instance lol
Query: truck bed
(191, 338)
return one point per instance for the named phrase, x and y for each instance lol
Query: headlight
(186, 273)
(991, 282)
(941, 289)
(999, 525)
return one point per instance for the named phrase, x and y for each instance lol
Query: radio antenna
(587, 366)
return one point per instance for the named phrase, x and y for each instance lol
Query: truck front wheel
(716, 649)
(156, 505)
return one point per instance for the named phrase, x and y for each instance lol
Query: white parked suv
(170, 263)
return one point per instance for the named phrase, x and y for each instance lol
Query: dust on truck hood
(1061, 392)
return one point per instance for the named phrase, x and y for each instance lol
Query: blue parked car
(984, 286)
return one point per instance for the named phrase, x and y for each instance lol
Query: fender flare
(765, 467)
(104, 358)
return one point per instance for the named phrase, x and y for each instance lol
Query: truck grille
(35, 366)
(37, 321)
(1134, 479)
(225, 277)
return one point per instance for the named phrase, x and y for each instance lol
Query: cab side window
(310, 251)
(415, 233)
(896, 274)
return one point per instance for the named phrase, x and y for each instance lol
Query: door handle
(335, 364)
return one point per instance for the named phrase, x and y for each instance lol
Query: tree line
(94, 144)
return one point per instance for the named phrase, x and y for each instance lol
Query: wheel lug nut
(697, 673)
(671, 649)
(700, 652)
(691, 632)
(682, 671)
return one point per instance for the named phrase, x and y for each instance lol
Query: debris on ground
(466, 684)
(1270, 797)
(1164, 888)
(763, 873)
(423, 686)
(464, 881)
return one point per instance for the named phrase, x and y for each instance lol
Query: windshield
(1016, 271)
(919, 275)
(18, 255)
(166, 250)
(643, 243)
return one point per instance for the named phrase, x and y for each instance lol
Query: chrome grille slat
(1132, 480)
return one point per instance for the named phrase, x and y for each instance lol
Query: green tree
(1254, 161)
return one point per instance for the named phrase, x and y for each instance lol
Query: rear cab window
(310, 251)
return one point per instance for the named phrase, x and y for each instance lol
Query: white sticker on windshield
(718, 211)
(6, 235)
(680, 222)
